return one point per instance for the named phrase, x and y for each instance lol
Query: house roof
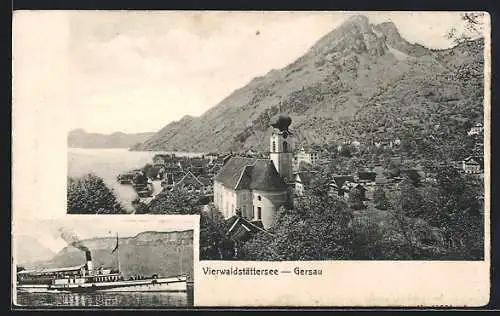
(472, 159)
(305, 177)
(189, 175)
(205, 181)
(340, 180)
(413, 173)
(172, 168)
(367, 175)
(250, 173)
(239, 227)
(360, 187)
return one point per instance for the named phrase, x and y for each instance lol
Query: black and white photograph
(322, 158)
(83, 261)
(362, 139)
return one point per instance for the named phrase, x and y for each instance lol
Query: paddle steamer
(84, 278)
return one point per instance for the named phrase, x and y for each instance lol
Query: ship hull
(32, 288)
(171, 284)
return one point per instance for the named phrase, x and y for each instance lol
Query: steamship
(84, 278)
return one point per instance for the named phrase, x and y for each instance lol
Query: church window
(274, 146)
(259, 198)
(285, 146)
(259, 213)
(244, 211)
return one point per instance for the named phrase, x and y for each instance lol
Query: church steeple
(281, 147)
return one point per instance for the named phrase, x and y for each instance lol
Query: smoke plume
(72, 239)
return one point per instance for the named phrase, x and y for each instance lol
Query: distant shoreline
(178, 153)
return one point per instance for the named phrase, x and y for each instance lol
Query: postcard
(329, 158)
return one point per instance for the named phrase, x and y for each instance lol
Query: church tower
(281, 147)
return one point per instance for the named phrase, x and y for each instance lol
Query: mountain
(79, 138)
(28, 249)
(148, 253)
(360, 81)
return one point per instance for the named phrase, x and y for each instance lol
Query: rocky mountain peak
(331, 88)
(356, 35)
(360, 21)
(389, 30)
(391, 36)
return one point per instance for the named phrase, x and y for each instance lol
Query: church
(258, 187)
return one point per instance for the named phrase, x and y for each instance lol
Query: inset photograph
(82, 261)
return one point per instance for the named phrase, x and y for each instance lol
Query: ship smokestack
(90, 266)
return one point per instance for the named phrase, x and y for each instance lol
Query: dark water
(164, 299)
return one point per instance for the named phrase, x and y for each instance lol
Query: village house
(162, 159)
(387, 143)
(476, 129)
(257, 187)
(171, 175)
(366, 177)
(191, 183)
(302, 181)
(472, 165)
(241, 229)
(380, 178)
(309, 157)
(207, 183)
(359, 188)
(367, 180)
(415, 175)
(211, 157)
(340, 185)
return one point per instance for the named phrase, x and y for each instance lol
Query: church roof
(250, 173)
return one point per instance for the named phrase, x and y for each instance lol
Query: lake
(53, 299)
(109, 163)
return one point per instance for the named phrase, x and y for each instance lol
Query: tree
(372, 241)
(347, 150)
(140, 207)
(459, 215)
(140, 178)
(380, 199)
(410, 201)
(319, 228)
(90, 195)
(214, 244)
(394, 168)
(470, 35)
(257, 248)
(472, 28)
(177, 201)
(151, 171)
(356, 198)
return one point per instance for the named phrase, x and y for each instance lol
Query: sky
(47, 232)
(134, 71)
